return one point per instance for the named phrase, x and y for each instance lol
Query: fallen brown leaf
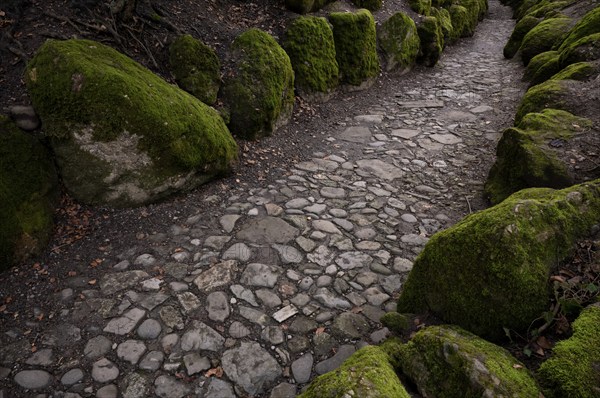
(217, 372)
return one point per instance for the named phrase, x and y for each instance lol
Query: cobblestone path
(285, 281)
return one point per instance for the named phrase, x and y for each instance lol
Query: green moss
(422, 7)
(584, 49)
(28, 194)
(572, 371)
(367, 373)
(556, 123)
(459, 17)
(396, 322)
(310, 46)
(300, 6)
(371, 5)
(356, 46)
(399, 42)
(196, 68)
(578, 71)
(549, 9)
(546, 71)
(260, 94)
(538, 61)
(499, 260)
(543, 37)
(446, 361)
(432, 41)
(588, 25)
(474, 9)
(549, 94)
(443, 16)
(516, 38)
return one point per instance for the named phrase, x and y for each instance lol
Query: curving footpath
(282, 283)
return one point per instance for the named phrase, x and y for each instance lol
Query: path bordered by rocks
(294, 276)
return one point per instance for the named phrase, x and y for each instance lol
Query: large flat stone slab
(380, 169)
(358, 134)
(267, 230)
(251, 367)
(216, 276)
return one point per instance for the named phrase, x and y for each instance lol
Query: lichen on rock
(196, 68)
(259, 88)
(356, 47)
(447, 361)
(91, 99)
(399, 41)
(28, 195)
(309, 43)
(499, 260)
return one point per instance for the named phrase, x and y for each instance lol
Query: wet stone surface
(258, 289)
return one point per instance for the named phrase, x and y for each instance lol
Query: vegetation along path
(266, 285)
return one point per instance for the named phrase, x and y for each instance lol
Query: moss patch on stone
(309, 43)
(550, 94)
(459, 17)
(356, 46)
(432, 41)
(588, 25)
(399, 42)
(150, 137)
(443, 16)
(28, 195)
(546, 71)
(516, 38)
(196, 68)
(560, 124)
(578, 71)
(371, 5)
(499, 260)
(422, 7)
(538, 61)
(572, 371)
(396, 322)
(447, 361)
(543, 37)
(367, 373)
(300, 6)
(584, 49)
(260, 92)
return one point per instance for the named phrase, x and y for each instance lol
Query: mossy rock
(550, 94)
(490, 271)
(432, 41)
(368, 373)
(588, 25)
(579, 71)
(525, 160)
(543, 37)
(474, 9)
(443, 16)
(371, 5)
(459, 17)
(584, 49)
(573, 369)
(441, 3)
(447, 361)
(122, 136)
(259, 90)
(397, 323)
(516, 38)
(399, 42)
(300, 6)
(355, 46)
(549, 9)
(28, 195)
(310, 46)
(546, 71)
(422, 7)
(196, 68)
(538, 61)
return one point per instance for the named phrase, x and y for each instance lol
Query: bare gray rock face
(251, 367)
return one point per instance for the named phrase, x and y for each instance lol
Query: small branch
(143, 46)
(469, 204)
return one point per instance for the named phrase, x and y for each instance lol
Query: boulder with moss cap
(447, 361)
(399, 42)
(543, 37)
(499, 260)
(259, 88)
(432, 41)
(573, 368)
(28, 195)
(121, 135)
(516, 38)
(356, 47)
(368, 373)
(309, 43)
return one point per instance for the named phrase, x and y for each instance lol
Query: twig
(143, 46)
(549, 322)
(469, 204)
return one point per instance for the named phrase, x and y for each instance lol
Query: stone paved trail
(288, 279)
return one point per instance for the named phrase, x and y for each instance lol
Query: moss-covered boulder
(443, 17)
(122, 136)
(543, 37)
(584, 49)
(196, 68)
(367, 373)
(524, 158)
(300, 6)
(588, 25)
(309, 43)
(432, 41)
(447, 361)
(356, 47)
(459, 17)
(28, 195)
(422, 7)
(371, 5)
(538, 62)
(490, 271)
(516, 38)
(545, 71)
(579, 71)
(574, 368)
(399, 42)
(259, 88)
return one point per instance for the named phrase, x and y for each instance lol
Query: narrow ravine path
(280, 283)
